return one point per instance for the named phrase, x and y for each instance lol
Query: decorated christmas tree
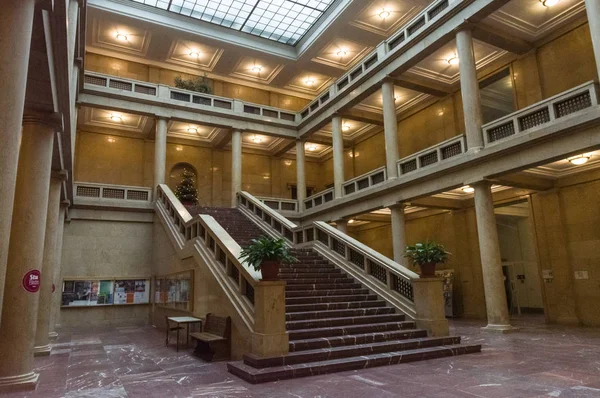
(186, 192)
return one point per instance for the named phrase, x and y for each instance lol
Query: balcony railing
(554, 108)
(118, 83)
(432, 155)
(319, 198)
(390, 278)
(365, 181)
(111, 194)
(280, 204)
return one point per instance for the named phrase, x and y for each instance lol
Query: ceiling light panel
(284, 21)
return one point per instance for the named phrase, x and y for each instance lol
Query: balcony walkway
(539, 361)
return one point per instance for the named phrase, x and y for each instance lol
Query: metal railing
(554, 108)
(367, 180)
(119, 83)
(279, 204)
(384, 275)
(111, 193)
(433, 155)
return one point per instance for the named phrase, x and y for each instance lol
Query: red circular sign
(31, 281)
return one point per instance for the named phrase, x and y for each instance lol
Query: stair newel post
(389, 276)
(270, 337)
(428, 296)
(241, 284)
(367, 267)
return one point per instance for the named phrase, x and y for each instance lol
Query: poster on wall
(175, 290)
(105, 292)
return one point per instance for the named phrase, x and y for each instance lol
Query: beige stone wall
(104, 245)
(133, 70)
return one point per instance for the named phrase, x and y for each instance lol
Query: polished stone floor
(538, 361)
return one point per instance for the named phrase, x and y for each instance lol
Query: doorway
(519, 259)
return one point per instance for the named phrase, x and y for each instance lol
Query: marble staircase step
(344, 321)
(254, 375)
(349, 329)
(311, 270)
(324, 354)
(314, 281)
(311, 275)
(343, 313)
(329, 299)
(291, 309)
(321, 286)
(331, 292)
(352, 339)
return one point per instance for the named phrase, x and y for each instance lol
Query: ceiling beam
(421, 87)
(525, 181)
(363, 117)
(222, 139)
(438, 203)
(284, 147)
(499, 39)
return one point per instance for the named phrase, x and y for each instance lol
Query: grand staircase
(334, 324)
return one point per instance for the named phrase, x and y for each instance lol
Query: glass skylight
(285, 21)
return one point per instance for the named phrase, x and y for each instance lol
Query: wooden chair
(171, 329)
(214, 343)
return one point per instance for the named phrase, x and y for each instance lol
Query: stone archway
(177, 170)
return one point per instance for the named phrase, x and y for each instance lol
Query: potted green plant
(267, 254)
(427, 255)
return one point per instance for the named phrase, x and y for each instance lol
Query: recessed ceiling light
(122, 36)
(311, 147)
(384, 13)
(309, 82)
(468, 189)
(116, 117)
(342, 52)
(194, 53)
(178, 148)
(257, 139)
(440, 112)
(111, 140)
(579, 159)
(452, 60)
(345, 127)
(192, 129)
(351, 221)
(257, 68)
(287, 162)
(266, 176)
(549, 3)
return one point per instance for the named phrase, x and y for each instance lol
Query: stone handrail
(319, 198)
(419, 298)
(161, 91)
(546, 111)
(107, 194)
(279, 204)
(438, 153)
(365, 181)
(258, 303)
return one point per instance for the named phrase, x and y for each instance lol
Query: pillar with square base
(160, 152)
(57, 293)
(496, 305)
(469, 90)
(25, 254)
(390, 128)
(338, 156)
(398, 232)
(236, 166)
(300, 174)
(16, 22)
(42, 332)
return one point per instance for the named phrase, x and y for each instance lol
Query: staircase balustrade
(256, 301)
(280, 204)
(419, 298)
(567, 103)
(112, 195)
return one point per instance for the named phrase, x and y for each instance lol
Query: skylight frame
(282, 21)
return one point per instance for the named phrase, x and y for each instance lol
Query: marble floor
(538, 361)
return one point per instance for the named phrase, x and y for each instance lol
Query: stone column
(236, 165)
(398, 232)
(592, 7)
(160, 151)
(42, 332)
(338, 156)
(25, 253)
(390, 128)
(57, 294)
(469, 89)
(16, 22)
(342, 225)
(300, 174)
(491, 262)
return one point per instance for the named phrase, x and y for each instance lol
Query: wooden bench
(214, 343)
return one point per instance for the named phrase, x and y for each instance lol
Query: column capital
(466, 26)
(50, 119)
(387, 79)
(400, 206)
(62, 175)
(65, 203)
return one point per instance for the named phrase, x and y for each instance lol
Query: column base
(502, 329)
(42, 351)
(474, 149)
(52, 335)
(24, 382)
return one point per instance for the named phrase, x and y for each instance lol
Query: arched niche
(177, 171)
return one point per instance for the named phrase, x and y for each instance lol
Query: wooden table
(187, 320)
